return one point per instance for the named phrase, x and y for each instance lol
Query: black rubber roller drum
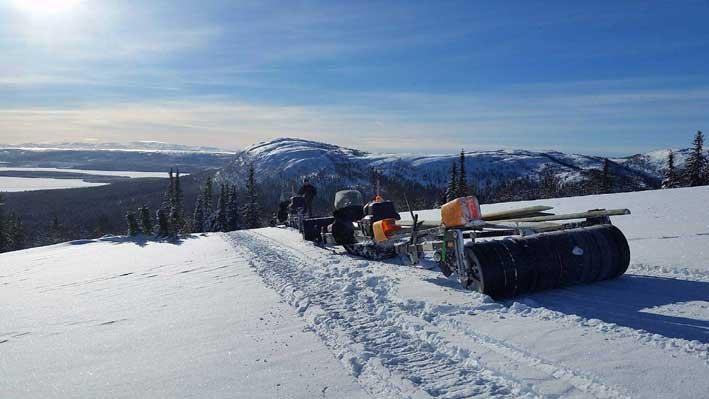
(549, 260)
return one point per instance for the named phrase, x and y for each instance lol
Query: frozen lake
(89, 172)
(15, 184)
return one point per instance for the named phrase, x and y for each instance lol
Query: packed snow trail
(406, 331)
(346, 307)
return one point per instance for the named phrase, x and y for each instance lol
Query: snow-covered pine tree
(452, 191)
(163, 225)
(208, 197)
(133, 228)
(251, 210)
(220, 218)
(671, 178)
(168, 200)
(146, 219)
(198, 216)
(695, 170)
(233, 216)
(177, 221)
(462, 178)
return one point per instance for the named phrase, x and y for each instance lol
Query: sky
(602, 77)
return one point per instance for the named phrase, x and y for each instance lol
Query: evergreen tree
(177, 220)
(163, 225)
(168, 202)
(16, 233)
(233, 216)
(606, 178)
(4, 239)
(167, 198)
(671, 179)
(146, 219)
(549, 182)
(198, 217)
(251, 209)
(133, 228)
(220, 218)
(103, 226)
(452, 191)
(696, 165)
(55, 231)
(208, 197)
(462, 178)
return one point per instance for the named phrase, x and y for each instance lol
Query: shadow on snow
(626, 301)
(139, 240)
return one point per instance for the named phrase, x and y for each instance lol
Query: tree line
(214, 210)
(12, 231)
(696, 167)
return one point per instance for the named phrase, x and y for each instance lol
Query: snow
(16, 184)
(121, 318)
(115, 317)
(122, 173)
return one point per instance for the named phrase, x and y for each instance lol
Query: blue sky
(591, 77)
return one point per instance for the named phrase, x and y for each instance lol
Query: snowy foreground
(262, 314)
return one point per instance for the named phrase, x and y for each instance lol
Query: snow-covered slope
(116, 318)
(287, 158)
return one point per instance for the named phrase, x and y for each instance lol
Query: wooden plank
(515, 213)
(529, 211)
(568, 216)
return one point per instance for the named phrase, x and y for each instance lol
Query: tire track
(388, 360)
(408, 324)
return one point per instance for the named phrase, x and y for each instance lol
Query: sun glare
(46, 7)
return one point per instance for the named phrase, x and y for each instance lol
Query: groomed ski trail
(401, 348)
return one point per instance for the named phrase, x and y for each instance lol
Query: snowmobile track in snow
(389, 346)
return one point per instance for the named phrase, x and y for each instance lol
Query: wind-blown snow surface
(400, 332)
(115, 318)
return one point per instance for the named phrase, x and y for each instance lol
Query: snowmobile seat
(349, 214)
(296, 203)
(381, 210)
(313, 228)
(348, 206)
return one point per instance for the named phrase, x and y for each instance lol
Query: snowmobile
(501, 254)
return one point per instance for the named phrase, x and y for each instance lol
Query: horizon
(597, 79)
(207, 148)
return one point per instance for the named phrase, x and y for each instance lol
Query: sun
(46, 7)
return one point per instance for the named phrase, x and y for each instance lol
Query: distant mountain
(138, 146)
(289, 159)
(98, 158)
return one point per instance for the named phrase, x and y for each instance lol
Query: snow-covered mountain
(289, 158)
